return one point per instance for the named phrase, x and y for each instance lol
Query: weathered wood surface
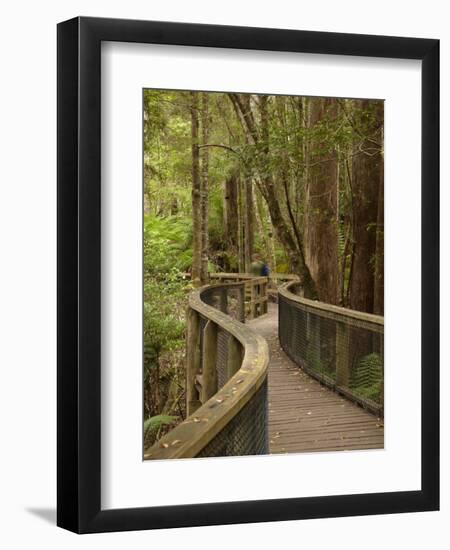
(335, 313)
(305, 416)
(248, 364)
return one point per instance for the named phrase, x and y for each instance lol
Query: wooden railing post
(313, 340)
(192, 360)
(252, 300)
(241, 303)
(209, 387)
(258, 307)
(265, 297)
(342, 355)
(223, 297)
(234, 357)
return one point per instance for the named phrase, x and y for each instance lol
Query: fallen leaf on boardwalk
(239, 381)
(197, 419)
(176, 442)
(219, 400)
(165, 445)
(309, 412)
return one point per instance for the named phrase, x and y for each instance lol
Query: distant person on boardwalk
(258, 267)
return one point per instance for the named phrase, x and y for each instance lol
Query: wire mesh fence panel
(218, 346)
(341, 351)
(222, 357)
(234, 303)
(246, 434)
(366, 368)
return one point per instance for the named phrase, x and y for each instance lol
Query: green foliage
(163, 325)
(367, 377)
(166, 254)
(287, 145)
(313, 359)
(154, 425)
(167, 245)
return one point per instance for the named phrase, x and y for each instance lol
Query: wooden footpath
(305, 416)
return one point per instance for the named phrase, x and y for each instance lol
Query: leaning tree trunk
(367, 165)
(196, 194)
(321, 220)
(291, 243)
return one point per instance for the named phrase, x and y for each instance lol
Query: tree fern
(367, 376)
(154, 425)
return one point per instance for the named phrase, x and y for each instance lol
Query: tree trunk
(196, 194)
(241, 226)
(366, 178)
(204, 189)
(231, 213)
(321, 228)
(378, 305)
(254, 135)
(261, 228)
(248, 223)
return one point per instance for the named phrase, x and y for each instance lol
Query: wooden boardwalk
(305, 416)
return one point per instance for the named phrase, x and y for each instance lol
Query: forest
(297, 181)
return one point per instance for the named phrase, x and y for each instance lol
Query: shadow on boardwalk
(305, 416)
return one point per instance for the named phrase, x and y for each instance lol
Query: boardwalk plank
(305, 416)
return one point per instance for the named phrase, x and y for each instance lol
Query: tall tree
(204, 187)
(366, 180)
(196, 194)
(321, 212)
(258, 136)
(378, 300)
(231, 212)
(248, 222)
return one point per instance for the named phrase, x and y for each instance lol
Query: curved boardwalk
(305, 416)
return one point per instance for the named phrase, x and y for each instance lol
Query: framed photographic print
(239, 209)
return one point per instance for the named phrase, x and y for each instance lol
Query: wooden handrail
(336, 313)
(344, 320)
(243, 276)
(191, 436)
(256, 291)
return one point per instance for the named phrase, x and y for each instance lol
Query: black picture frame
(79, 281)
